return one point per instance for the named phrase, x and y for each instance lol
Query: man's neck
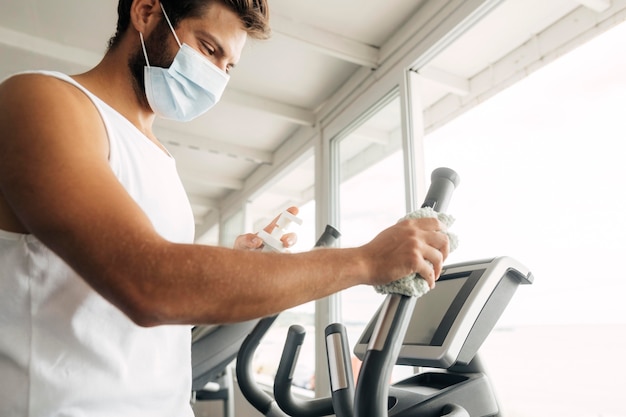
(112, 82)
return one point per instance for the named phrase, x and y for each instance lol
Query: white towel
(414, 285)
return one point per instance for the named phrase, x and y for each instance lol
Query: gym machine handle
(284, 377)
(443, 181)
(258, 398)
(341, 403)
(454, 410)
(328, 237)
(372, 389)
(340, 369)
(245, 374)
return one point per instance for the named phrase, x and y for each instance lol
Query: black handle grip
(245, 372)
(372, 387)
(284, 377)
(443, 181)
(328, 237)
(258, 398)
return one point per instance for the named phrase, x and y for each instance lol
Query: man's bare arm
(55, 177)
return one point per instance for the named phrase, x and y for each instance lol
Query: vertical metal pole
(412, 139)
(326, 212)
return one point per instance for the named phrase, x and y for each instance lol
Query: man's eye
(209, 50)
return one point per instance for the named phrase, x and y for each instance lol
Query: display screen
(449, 323)
(430, 311)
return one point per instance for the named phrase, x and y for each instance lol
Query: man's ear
(144, 15)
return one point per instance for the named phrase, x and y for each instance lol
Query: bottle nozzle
(272, 240)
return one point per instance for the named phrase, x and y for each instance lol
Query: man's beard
(158, 55)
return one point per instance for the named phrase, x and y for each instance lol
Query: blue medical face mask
(188, 88)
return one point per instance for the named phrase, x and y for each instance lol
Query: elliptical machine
(441, 330)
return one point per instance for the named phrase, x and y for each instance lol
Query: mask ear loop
(170, 25)
(143, 46)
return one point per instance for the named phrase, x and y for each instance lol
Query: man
(98, 273)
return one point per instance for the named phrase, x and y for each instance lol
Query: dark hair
(254, 15)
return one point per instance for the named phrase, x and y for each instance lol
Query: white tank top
(67, 352)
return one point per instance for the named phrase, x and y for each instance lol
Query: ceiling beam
(210, 181)
(564, 35)
(87, 59)
(327, 42)
(274, 108)
(202, 201)
(50, 49)
(204, 144)
(371, 134)
(596, 5)
(450, 82)
(285, 191)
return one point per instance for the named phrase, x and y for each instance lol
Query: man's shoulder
(32, 76)
(41, 87)
(35, 81)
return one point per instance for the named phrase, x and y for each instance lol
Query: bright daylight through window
(371, 197)
(542, 168)
(542, 172)
(260, 212)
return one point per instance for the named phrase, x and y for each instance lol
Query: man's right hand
(410, 246)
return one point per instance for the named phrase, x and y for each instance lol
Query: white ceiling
(283, 85)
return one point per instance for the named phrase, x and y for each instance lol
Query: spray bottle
(272, 240)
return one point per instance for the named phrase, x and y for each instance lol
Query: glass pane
(372, 197)
(294, 188)
(232, 227)
(211, 237)
(542, 175)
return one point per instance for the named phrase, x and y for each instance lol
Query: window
(542, 180)
(371, 197)
(232, 227)
(294, 188)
